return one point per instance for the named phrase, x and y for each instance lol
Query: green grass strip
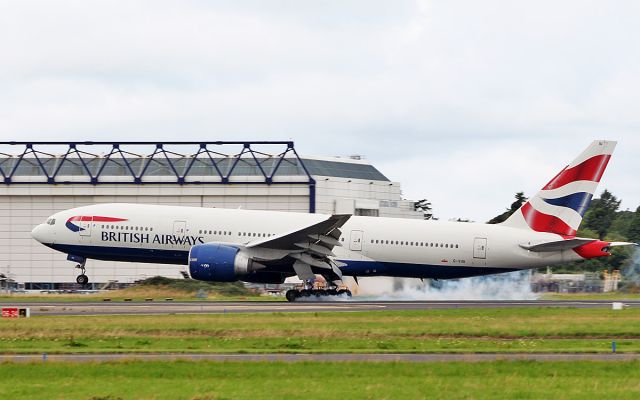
(317, 380)
(455, 330)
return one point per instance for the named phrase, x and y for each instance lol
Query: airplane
(226, 245)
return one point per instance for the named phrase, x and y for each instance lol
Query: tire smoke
(509, 286)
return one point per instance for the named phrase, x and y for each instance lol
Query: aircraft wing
(311, 246)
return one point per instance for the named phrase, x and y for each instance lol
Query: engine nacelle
(215, 262)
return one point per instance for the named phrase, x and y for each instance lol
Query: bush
(190, 285)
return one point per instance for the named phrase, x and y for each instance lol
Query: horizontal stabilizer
(612, 244)
(556, 245)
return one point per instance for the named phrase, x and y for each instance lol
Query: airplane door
(179, 228)
(356, 241)
(480, 248)
(85, 226)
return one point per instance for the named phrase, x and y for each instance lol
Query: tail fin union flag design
(565, 198)
(83, 218)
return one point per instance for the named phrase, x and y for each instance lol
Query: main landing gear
(315, 294)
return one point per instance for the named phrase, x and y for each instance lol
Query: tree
(424, 206)
(633, 234)
(602, 213)
(515, 206)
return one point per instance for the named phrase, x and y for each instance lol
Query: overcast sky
(463, 102)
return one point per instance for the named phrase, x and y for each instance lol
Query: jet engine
(216, 262)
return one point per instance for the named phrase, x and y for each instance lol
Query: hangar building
(41, 178)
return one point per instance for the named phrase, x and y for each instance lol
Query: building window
(366, 212)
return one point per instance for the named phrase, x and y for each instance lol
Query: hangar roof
(119, 160)
(29, 166)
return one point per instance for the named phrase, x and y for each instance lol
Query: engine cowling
(215, 262)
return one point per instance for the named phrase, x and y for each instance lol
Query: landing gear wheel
(344, 291)
(292, 295)
(82, 279)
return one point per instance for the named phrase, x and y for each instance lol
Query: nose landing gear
(81, 279)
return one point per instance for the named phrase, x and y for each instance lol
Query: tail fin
(561, 204)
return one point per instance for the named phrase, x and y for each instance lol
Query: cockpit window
(51, 221)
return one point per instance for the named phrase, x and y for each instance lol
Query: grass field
(452, 330)
(156, 287)
(612, 296)
(135, 294)
(254, 380)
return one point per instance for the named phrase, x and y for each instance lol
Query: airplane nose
(38, 233)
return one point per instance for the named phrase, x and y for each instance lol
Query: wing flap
(303, 270)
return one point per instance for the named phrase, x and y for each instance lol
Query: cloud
(481, 88)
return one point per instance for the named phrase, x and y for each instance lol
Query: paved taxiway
(320, 357)
(212, 307)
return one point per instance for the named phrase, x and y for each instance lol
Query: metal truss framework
(136, 166)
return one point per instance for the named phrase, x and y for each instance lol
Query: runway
(214, 307)
(333, 357)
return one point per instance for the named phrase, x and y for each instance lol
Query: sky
(462, 102)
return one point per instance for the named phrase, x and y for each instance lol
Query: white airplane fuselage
(370, 246)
